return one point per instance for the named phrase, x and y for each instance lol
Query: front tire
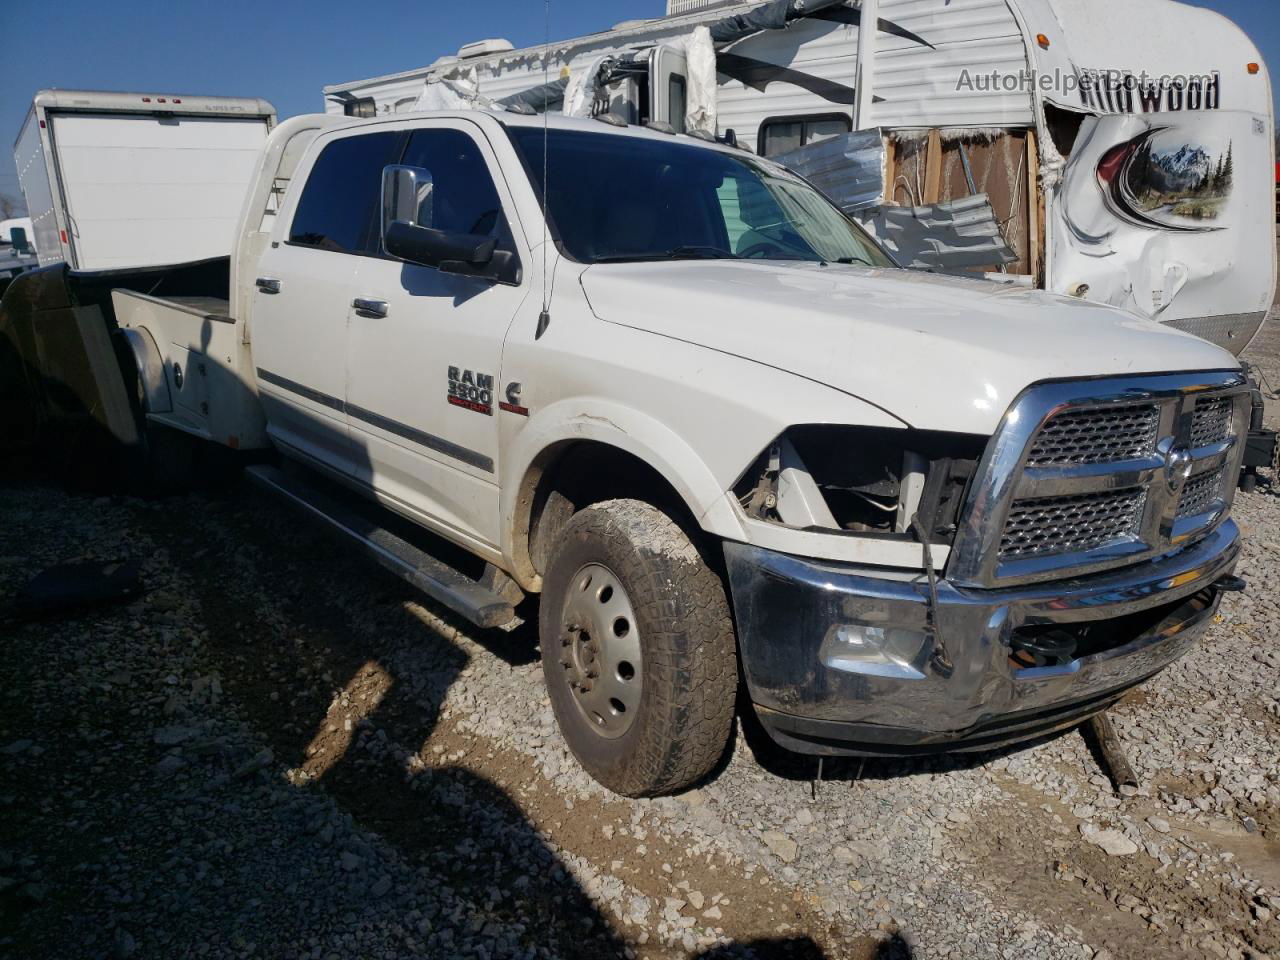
(637, 649)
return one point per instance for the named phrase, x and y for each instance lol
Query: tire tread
(690, 665)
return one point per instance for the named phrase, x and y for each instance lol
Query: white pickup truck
(706, 418)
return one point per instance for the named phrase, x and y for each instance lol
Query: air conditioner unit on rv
(483, 48)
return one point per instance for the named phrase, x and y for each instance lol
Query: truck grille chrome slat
(1211, 421)
(1072, 524)
(1200, 494)
(1092, 475)
(1096, 436)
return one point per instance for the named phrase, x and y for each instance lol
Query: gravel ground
(279, 751)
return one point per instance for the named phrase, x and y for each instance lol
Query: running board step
(481, 605)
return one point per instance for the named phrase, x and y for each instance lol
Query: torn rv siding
(918, 84)
(920, 59)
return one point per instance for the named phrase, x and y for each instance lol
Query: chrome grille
(1085, 476)
(1200, 494)
(1211, 421)
(1096, 436)
(1072, 524)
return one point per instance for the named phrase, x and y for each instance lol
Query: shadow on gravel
(801, 948)
(462, 830)
(785, 948)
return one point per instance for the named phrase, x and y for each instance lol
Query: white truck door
(302, 302)
(425, 352)
(669, 87)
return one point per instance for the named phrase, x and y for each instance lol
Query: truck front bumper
(839, 661)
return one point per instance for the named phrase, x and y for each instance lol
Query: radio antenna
(544, 318)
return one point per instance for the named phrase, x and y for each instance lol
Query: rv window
(781, 137)
(825, 129)
(463, 197)
(676, 101)
(791, 133)
(339, 208)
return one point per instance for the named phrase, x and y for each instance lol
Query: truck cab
(668, 387)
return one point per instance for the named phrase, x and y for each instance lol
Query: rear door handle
(268, 284)
(366, 307)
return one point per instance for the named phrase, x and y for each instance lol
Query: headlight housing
(868, 481)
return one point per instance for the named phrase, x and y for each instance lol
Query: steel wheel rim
(600, 651)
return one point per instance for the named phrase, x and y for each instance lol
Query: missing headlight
(866, 480)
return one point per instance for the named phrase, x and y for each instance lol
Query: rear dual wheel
(637, 649)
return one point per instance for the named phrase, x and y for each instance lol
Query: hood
(939, 353)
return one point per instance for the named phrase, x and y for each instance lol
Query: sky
(286, 50)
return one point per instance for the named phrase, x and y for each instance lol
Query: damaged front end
(867, 481)
(1071, 556)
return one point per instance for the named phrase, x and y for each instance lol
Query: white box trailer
(1126, 149)
(116, 180)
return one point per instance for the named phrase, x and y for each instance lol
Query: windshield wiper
(848, 260)
(689, 252)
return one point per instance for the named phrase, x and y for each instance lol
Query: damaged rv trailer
(1106, 151)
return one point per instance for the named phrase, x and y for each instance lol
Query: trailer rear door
(153, 189)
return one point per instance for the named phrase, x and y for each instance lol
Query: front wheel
(637, 649)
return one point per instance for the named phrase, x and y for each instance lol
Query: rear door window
(339, 207)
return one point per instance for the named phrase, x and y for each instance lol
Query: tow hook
(1231, 584)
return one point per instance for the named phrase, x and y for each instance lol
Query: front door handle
(366, 307)
(268, 284)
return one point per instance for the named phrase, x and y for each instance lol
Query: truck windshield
(615, 199)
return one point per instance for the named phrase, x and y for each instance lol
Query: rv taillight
(159, 99)
(63, 235)
(177, 100)
(1254, 68)
(146, 99)
(41, 124)
(1043, 41)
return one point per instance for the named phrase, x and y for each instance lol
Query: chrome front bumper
(794, 614)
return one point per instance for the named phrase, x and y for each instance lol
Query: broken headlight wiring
(871, 481)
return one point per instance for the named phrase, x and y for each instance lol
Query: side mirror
(407, 194)
(408, 234)
(437, 248)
